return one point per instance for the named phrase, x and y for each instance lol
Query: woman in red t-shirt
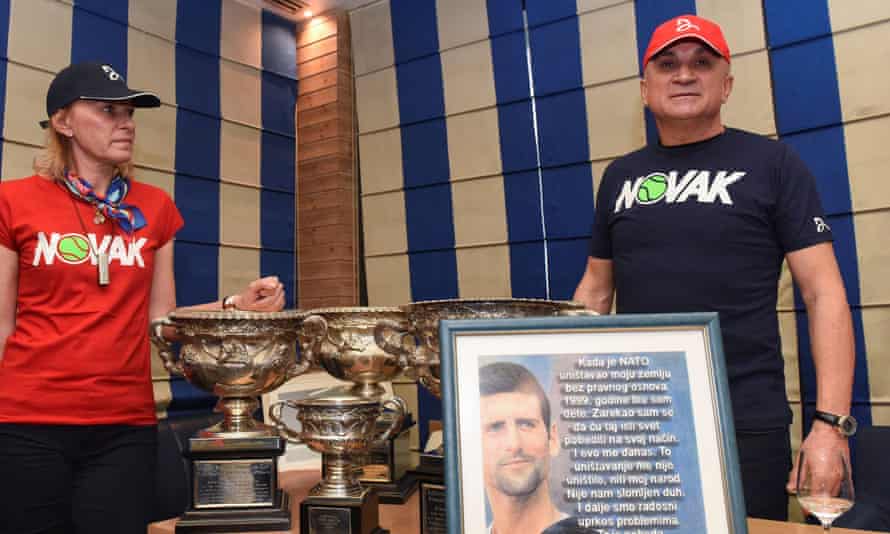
(86, 258)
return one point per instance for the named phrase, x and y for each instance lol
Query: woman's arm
(9, 285)
(163, 285)
(264, 294)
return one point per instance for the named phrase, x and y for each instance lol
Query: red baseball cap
(686, 27)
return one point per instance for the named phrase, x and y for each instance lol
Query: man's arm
(816, 273)
(596, 286)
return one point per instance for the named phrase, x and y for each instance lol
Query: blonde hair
(56, 156)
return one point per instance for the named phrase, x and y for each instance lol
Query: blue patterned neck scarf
(111, 205)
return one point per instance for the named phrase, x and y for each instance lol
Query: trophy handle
(427, 379)
(386, 329)
(423, 367)
(399, 406)
(165, 348)
(299, 368)
(313, 335)
(283, 429)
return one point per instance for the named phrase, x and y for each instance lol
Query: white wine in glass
(824, 486)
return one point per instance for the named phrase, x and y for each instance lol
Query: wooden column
(327, 201)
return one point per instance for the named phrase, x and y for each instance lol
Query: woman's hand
(262, 295)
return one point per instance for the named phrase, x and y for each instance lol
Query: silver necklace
(101, 257)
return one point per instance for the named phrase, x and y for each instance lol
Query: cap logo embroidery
(111, 73)
(684, 25)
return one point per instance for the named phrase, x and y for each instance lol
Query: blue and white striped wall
(463, 198)
(223, 143)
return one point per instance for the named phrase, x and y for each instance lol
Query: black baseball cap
(93, 81)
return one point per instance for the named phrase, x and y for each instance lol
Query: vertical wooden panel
(327, 225)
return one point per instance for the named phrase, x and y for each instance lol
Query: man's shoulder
(643, 153)
(629, 163)
(744, 136)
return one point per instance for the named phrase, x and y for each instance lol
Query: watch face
(847, 425)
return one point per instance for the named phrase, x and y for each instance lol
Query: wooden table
(405, 518)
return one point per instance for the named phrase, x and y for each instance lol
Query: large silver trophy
(339, 425)
(347, 342)
(424, 317)
(237, 356)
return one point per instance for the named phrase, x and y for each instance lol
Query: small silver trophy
(339, 425)
(347, 342)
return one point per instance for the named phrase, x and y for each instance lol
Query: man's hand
(262, 295)
(822, 441)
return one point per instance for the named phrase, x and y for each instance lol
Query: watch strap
(827, 417)
(845, 424)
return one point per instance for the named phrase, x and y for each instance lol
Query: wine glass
(824, 486)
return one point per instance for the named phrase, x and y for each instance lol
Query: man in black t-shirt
(701, 221)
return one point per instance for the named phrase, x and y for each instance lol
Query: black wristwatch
(845, 424)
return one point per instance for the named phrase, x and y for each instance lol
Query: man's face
(516, 445)
(687, 80)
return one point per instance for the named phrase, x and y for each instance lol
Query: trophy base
(395, 492)
(237, 520)
(430, 471)
(341, 515)
(234, 486)
(385, 468)
(433, 516)
(430, 468)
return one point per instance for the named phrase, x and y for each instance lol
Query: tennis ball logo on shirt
(653, 188)
(73, 248)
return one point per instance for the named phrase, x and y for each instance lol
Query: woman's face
(100, 132)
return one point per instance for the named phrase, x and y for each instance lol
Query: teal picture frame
(467, 344)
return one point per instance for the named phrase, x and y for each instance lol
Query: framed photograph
(613, 423)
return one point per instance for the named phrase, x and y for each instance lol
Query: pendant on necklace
(102, 264)
(98, 218)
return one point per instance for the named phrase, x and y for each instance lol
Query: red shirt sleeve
(7, 236)
(172, 221)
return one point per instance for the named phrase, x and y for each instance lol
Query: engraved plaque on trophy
(237, 355)
(328, 520)
(233, 482)
(433, 518)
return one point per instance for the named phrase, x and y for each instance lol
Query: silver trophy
(424, 317)
(237, 356)
(347, 342)
(338, 424)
